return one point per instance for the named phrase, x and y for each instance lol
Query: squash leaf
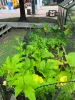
(30, 93)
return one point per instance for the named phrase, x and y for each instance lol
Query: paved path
(25, 24)
(5, 13)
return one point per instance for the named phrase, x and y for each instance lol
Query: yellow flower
(35, 78)
(45, 28)
(38, 78)
(8, 71)
(63, 79)
(41, 80)
(4, 83)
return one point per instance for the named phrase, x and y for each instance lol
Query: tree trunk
(22, 10)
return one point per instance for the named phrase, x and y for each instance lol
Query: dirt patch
(31, 20)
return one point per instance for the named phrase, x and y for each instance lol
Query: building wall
(39, 4)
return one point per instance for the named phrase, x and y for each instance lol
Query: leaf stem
(54, 84)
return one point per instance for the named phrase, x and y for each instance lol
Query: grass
(8, 41)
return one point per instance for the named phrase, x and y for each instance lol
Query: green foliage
(42, 62)
(51, 38)
(66, 92)
(19, 46)
(71, 59)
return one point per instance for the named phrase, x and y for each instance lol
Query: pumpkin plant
(38, 65)
(53, 38)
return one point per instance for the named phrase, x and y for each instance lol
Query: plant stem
(57, 94)
(55, 84)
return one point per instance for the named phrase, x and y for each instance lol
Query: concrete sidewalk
(25, 24)
(5, 13)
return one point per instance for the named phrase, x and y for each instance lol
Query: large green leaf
(45, 53)
(30, 93)
(28, 78)
(32, 64)
(18, 90)
(56, 27)
(64, 73)
(53, 64)
(71, 59)
(37, 55)
(41, 65)
(15, 59)
(52, 42)
(49, 73)
(8, 61)
(51, 80)
(32, 47)
(27, 62)
(50, 65)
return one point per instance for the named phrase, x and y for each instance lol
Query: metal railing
(3, 2)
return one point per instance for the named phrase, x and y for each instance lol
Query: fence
(3, 2)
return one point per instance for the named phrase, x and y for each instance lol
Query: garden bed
(43, 69)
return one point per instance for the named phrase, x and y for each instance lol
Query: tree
(22, 10)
